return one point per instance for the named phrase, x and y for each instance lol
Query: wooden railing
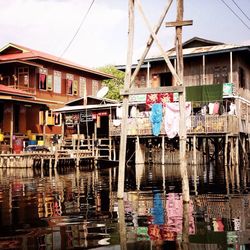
(206, 124)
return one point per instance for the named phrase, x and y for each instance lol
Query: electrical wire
(235, 14)
(241, 10)
(77, 31)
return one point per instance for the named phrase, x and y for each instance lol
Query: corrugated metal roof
(84, 107)
(202, 50)
(30, 54)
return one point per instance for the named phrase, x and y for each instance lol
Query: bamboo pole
(123, 137)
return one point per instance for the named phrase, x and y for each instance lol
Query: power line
(235, 14)
(241, 10)
(78, 29)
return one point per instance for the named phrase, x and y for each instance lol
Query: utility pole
(127, 81)
(182, 102)
(182, 96)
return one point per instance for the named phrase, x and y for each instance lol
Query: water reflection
(72, 208)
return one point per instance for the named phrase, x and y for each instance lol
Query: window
(75, 87)
(94, 87)
(57, 82)
(69, 84)
(49, 118)
(220, 74)
(49, 82)
(83, 87)
(242, 78)
(166, 79)
(23, 76)
(43, 78)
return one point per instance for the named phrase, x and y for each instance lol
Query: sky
(49, 26)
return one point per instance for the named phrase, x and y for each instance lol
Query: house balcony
(202, 124)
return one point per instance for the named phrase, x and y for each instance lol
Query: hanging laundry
(172, 118)
(211, 108)
(156, 118)
(165, 98)
(216, 108)
(151, 99)
(133, 112)
(119, 112)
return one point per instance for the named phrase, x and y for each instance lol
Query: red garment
(165, 97)
(69, 86)
(151, 99)
(159, 98)
(42, 81)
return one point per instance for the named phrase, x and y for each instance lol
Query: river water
(77, 209)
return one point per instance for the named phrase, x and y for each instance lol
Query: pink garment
(172, 118)
(216, 108)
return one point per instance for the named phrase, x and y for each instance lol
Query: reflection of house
(32, 83)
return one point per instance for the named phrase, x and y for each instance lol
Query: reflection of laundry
(156, 118)
(218, 225)
(236, 224)
(157, 210)
(172, 118)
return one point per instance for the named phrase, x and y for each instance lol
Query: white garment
(211, 108)
(172, 118)
(133, 112)
(119, 112)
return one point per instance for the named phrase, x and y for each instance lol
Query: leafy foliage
(114, 84)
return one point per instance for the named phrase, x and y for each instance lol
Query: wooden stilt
(11, 126)
(123, 137)
(195, 165)
(163, 150)
(78, 145)
(232, 172)
(114, 151)
(226, 163)
(237, 163)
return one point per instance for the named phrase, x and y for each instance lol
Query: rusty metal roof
(206, 50)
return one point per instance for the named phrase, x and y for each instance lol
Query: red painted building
(32, 83)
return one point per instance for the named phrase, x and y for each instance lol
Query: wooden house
(32, 83)
(217, 80)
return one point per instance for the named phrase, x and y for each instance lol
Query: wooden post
(11, 126)
(195, 165)
(163, 150)
(63, 131)
(231, 67)
(237, 163)
(226, 163)
(78, 145)
(182, 103)
(123, 137)
(203, 69)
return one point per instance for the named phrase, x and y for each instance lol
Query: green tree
(114, 84)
